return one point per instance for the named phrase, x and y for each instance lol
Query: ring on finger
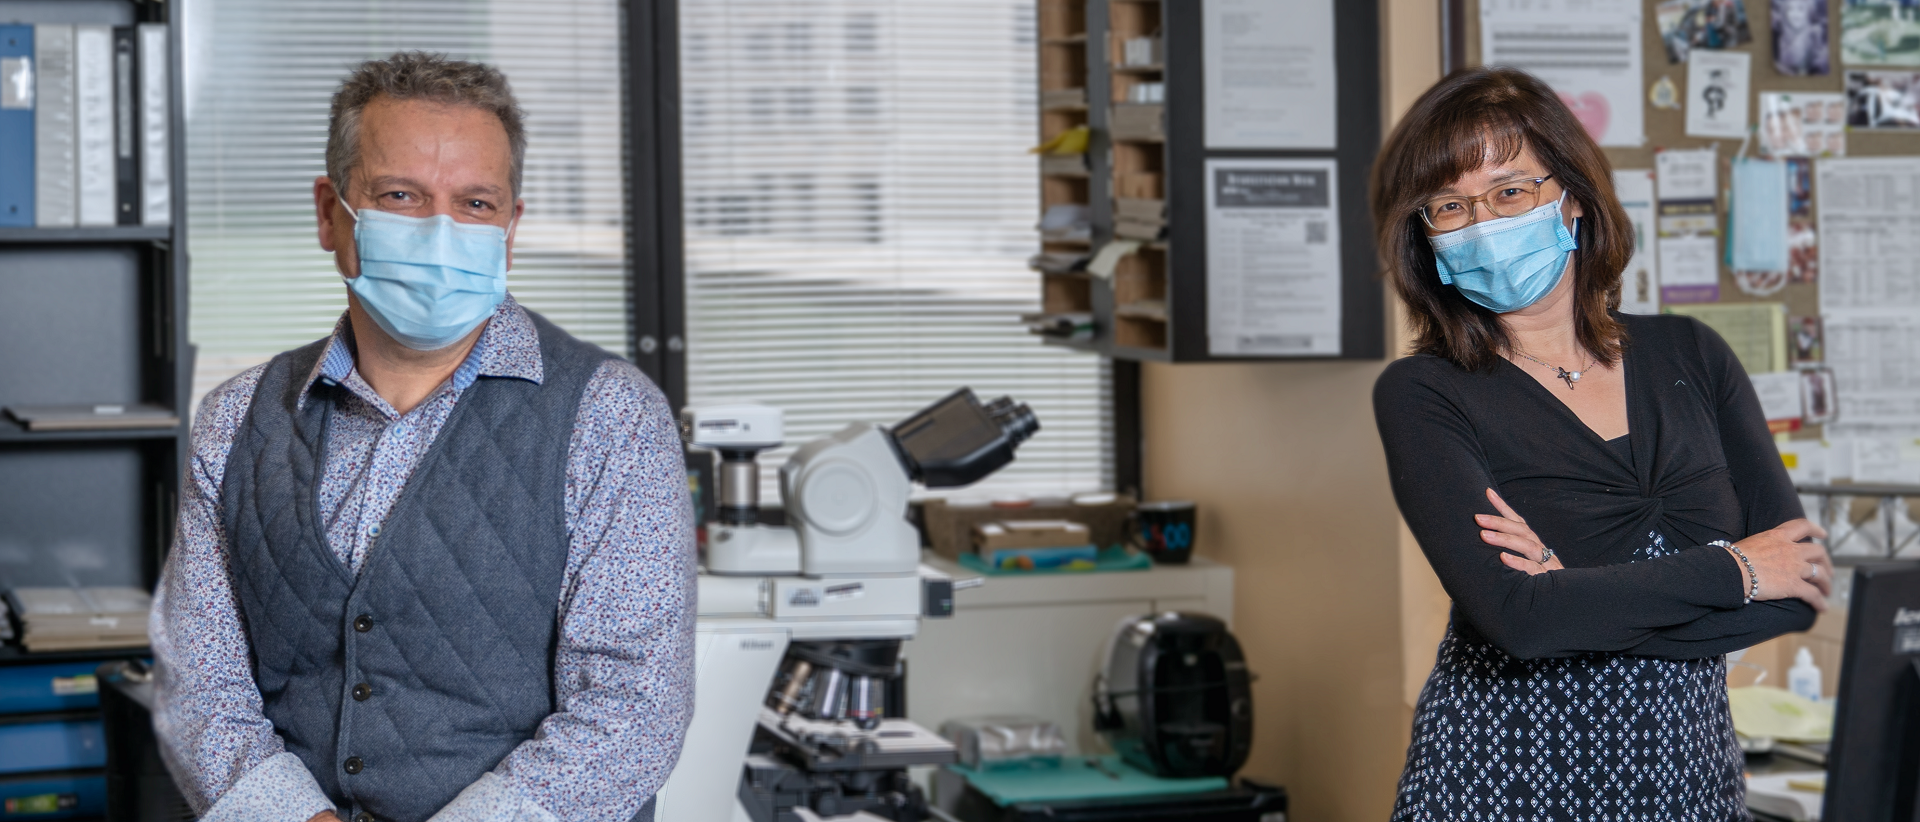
(1546, 555)
(1813, 571)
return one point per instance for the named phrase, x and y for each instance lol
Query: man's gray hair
(419, 75)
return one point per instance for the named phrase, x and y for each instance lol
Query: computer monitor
(1873, 769)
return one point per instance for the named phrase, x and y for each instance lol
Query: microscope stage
(841, 745)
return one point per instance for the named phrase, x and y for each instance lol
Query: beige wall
(1286, 465)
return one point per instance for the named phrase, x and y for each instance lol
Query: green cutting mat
(1074, 780)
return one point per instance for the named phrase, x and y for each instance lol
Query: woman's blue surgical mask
(428, 281)
(1508, 263)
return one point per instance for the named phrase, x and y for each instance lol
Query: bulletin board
(1817, 454)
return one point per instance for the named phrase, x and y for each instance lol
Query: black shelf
(104, 234)
(11, 432)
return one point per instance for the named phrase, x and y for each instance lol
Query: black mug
(1165, 530)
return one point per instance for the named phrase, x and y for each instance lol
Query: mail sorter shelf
(1146, 182)
(1066, 185)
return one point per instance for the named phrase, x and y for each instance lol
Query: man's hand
(324, 816)
(1524, 550)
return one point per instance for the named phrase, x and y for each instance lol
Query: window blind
(859, 209)
(259, 78)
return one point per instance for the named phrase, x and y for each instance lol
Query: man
(438, 565)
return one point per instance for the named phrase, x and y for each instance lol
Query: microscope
(799, 688)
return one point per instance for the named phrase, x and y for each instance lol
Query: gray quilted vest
(400, 687)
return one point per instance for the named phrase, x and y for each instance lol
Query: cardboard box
(1038, 533)
(949, 528)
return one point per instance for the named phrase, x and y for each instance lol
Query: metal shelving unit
(89, 315)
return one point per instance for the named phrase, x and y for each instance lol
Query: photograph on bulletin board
(1709, 24)
(1800, 43)
(1880, 33)
(1883, 99)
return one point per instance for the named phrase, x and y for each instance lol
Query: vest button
(362, 691)
(353, 765)
(363, 816)
(363, 623)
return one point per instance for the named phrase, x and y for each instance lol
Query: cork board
(1666, 127)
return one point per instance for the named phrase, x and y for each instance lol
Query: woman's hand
(1524, 551)
(1787, 567)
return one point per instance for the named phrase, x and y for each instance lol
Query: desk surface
(1770, 763)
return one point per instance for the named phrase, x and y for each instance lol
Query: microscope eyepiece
(958, 441)
(1016, 420)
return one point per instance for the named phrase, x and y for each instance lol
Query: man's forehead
(400, 129)
(390, 111)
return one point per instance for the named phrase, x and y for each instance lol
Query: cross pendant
(1570, 376)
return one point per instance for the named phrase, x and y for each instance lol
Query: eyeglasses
(1509, 199)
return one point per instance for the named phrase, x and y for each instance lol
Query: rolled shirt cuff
(492, 798)
(278, 788)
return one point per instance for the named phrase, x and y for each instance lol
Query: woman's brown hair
(1472, 117)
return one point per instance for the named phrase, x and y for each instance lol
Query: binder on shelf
(100, 417)
(156, 189)
(126, 164)
(54, 201)
(93, 125)
(16, 126)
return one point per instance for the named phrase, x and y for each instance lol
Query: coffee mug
(1164, 530)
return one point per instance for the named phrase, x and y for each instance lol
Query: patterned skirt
(1593, 737)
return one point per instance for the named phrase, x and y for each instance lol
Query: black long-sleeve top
(1703, 467)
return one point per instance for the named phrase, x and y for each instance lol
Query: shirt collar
(509, 347)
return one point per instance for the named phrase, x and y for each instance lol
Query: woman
(1597, 492)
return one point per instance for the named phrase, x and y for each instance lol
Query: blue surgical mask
(1508, 263)
(428, 281)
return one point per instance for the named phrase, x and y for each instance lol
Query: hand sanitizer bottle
(1804, 677)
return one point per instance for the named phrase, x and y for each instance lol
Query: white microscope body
(844, 579)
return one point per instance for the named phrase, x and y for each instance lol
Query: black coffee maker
(1174, 697)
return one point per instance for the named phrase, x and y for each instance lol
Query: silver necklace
(1570, 377)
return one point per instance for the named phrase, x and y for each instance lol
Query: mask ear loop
(1564, 235)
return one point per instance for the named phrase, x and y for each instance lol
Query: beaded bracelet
(1753, 590)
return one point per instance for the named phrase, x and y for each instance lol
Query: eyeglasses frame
(1472, 213)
